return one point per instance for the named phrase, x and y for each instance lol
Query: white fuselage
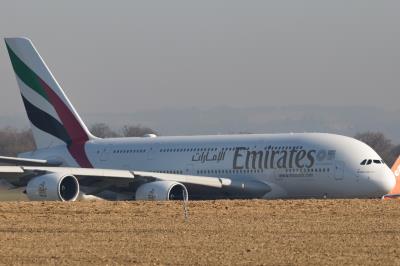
(303, 165)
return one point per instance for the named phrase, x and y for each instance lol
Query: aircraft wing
(214, 182)
(116, 184)
(15, 174)
(95, 181)
(27, 161)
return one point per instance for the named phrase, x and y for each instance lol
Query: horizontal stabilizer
(27, 161)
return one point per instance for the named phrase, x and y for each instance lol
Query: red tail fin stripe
(72, 126)
(77, 150)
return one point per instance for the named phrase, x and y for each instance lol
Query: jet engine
(54, 187)
(162, 190)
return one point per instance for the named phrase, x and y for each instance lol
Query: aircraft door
(339, 170)
(105, 152)
(152, 150)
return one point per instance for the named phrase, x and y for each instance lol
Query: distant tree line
(14, 141)
(381, 144)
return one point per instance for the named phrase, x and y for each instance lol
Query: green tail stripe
(26, 74)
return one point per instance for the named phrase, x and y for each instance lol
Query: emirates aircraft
(70, 163)
(395, 192)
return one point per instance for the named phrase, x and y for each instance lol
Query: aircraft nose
(386, 181)
(379, 182)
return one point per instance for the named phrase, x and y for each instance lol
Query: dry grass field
(217, 232)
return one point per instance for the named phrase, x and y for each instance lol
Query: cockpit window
(370, 161)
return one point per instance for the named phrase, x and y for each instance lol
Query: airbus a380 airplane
(69, 161)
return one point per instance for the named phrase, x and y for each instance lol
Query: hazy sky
(126, 56)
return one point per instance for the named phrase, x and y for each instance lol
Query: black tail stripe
(46, 122)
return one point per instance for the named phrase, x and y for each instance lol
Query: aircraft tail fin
(54, 120)
(395, 192)
(396, 170)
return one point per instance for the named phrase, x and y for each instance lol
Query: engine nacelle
(55, 187)
(162, 190)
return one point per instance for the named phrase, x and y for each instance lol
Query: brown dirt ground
(250, 232)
